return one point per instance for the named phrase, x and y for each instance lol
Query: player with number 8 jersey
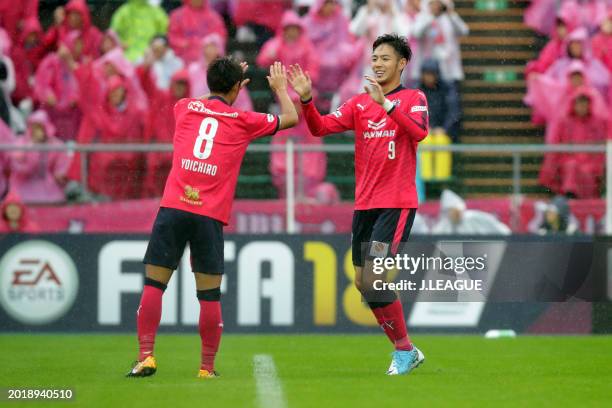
(210, 140)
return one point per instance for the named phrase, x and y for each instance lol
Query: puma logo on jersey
(377, 125)
(360, 106)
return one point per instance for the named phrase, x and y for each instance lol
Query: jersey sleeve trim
(277, 125)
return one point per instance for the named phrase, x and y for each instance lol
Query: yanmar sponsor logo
(377, 130)
(378, 133)
(377, 125)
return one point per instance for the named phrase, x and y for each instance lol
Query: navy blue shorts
(379, 232)
(173, 229)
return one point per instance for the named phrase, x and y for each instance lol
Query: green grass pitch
(316, 371)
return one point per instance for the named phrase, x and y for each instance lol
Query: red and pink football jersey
(385, 144)
(210, 140)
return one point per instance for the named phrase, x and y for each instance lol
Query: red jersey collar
(399, 88)
(210, 98)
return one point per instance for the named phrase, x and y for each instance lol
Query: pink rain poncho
(13, 15)
(189, 24)
(331, 37)
(159, 127)
(26, 57)
(554, 49)
(88, 33)
(602, 42)
(267, 13)
(114, 174)
(114, 63)
(546, 95)
(6, 137)
(310, 168)
(212, 47)
(584, 13)
(577, 173)
(596, 72)
(57, 91)
(20, 224)
(38, 177)
(300, 51)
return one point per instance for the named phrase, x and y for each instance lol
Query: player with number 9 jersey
(389, 121)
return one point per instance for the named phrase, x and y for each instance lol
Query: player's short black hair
(223, 73)
(399, 44)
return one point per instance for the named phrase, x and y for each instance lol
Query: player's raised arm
(278, 83)
(416, 120)
(339, 121)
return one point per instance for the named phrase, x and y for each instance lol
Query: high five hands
(300, 82)
(278, 77)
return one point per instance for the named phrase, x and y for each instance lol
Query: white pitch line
(269, 388)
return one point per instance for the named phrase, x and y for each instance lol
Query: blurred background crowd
(69, 79)
(110, 72)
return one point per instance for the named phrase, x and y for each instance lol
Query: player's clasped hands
(300, 81)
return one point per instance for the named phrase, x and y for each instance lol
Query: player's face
(386, 64)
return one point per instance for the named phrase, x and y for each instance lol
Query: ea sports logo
(38, 282)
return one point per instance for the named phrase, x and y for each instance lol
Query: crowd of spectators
(568, 89)
(73, 81)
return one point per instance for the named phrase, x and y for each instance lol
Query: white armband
(388, 105)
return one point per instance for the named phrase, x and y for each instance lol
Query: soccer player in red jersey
(210, 140)
(389, 121)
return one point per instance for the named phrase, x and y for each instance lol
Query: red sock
(394, 319)
(211, 327)
(380, 318)
(148, 317)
